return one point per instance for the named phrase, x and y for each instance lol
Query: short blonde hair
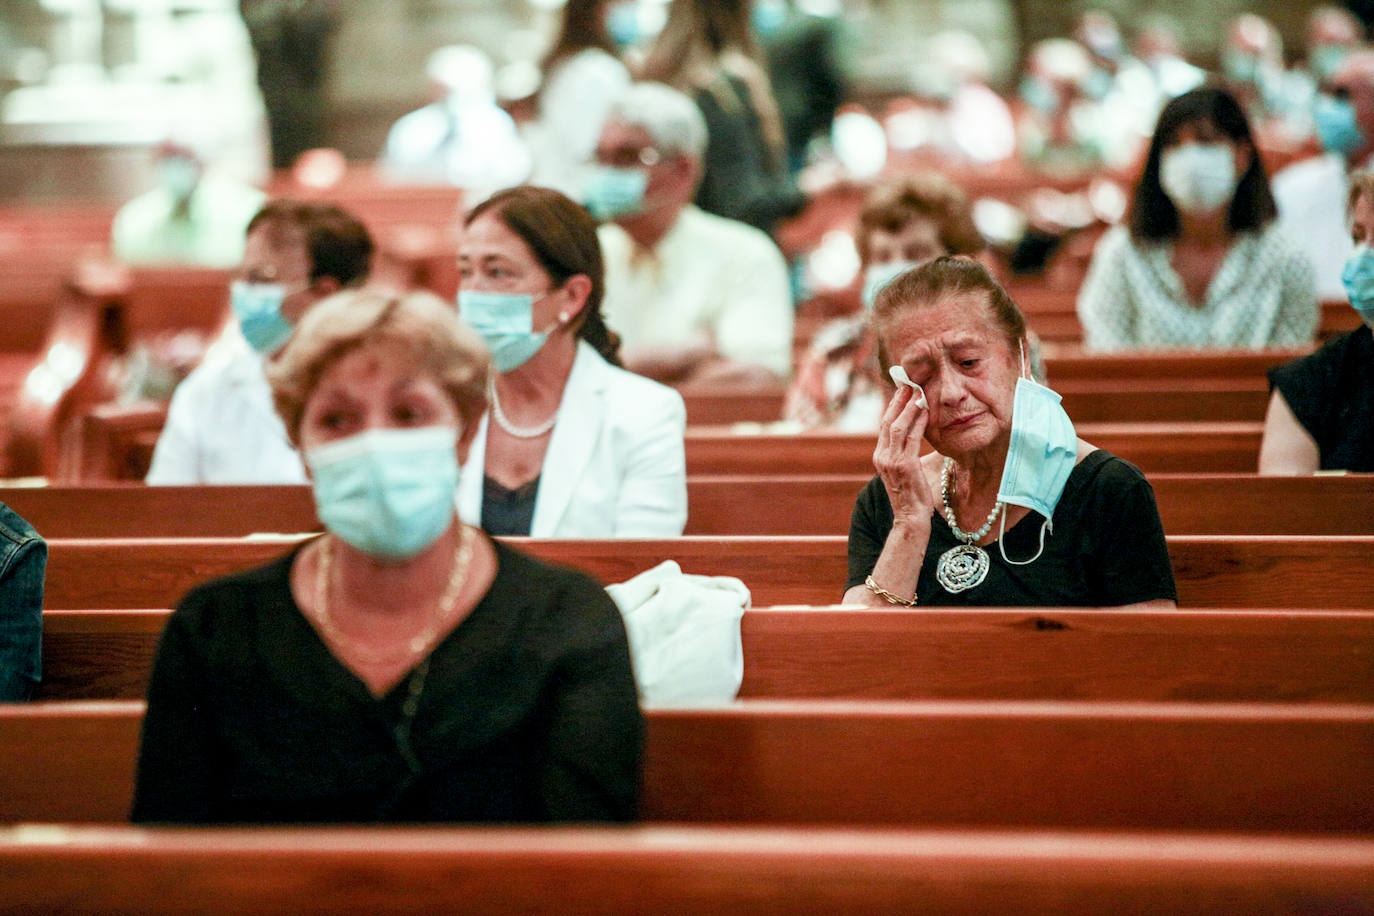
(423, 326)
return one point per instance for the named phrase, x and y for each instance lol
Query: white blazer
(615, 466)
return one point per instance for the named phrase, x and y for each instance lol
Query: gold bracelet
(886, 595)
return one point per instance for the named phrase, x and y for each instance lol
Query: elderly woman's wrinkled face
(958, 353)
(375, 386)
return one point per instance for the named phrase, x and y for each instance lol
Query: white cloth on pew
(221, 426)
(684, 633)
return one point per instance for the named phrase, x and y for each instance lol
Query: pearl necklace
(420, 642)
(965, 566)
(519, 432)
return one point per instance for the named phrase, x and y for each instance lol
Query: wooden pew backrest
(1254, 768)
(656, 869)
(793, 653)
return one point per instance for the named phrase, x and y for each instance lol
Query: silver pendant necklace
(966, 566)
(519, 432)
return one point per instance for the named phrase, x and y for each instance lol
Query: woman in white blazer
(572, 445)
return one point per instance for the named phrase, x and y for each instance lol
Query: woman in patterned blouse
(1202, 262)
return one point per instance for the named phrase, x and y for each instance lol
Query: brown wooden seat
(1113, 766)
(1041, 654)
(679, 869)
(1258, 571)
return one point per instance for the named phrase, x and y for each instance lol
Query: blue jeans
(23, 561)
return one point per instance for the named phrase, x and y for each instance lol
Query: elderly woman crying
(1010, 507)
(403, 666)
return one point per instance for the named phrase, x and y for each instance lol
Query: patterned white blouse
(1262, 295)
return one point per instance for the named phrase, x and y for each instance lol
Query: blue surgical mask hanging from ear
(506, 323)
(387, 492)
(1358, 277)
(876, 276)
(258, 309)
(1040, 456)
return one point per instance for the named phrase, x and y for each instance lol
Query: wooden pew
(1185, 401)
(678, 869)
(794, 504)
(1184, 448)
(1328, 572)
(1041, 654)
(1112, 766)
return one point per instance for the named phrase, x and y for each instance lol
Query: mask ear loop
(1021, 345)
(1001, 546)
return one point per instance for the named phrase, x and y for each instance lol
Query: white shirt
(222, 428)
(709, 280)
(615, 466)
(1312, 195)
(1260, 296)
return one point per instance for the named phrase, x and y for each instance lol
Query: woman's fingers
(890, 413)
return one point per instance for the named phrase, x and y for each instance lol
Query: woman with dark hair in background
(706, 49)
(573, 445)
(1202, 262)
(582, 75)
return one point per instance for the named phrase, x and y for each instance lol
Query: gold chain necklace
(422, 641)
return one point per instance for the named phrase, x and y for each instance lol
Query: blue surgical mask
(258, 309)
(1358, 277)
(768, 16)
(387, 492)
(610, 192)
(876, 276)
(1337, 128)
(506, 323)
(622, 22)
(1040, 456)
(1239, 66)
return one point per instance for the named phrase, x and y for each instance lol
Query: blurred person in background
(582, 75)
(195, 214)
(1252, 69)
(463, 138)
(902, 225)
(806, 67)
(291, 41)
(976, 124)
(1312, 194)
(1202, 261)
(221, 427)
(1063, 128)
(695, 297)
(707, 51)
(1156, 47)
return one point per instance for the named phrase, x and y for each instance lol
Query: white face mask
(1198, 177)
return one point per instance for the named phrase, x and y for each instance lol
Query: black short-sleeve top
(527, 712)
(1331, 392)
(1106, 547)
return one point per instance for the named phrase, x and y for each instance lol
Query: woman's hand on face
(898, 458)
